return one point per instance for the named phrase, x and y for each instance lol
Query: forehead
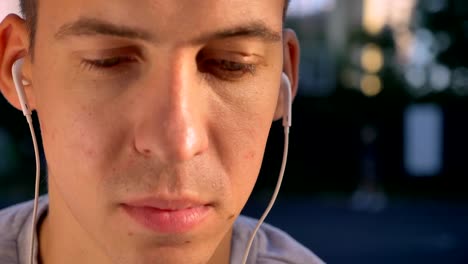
(171, 19)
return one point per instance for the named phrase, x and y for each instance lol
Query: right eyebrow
(92, 26)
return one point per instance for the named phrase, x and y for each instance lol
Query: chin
(177, 249)
(166, 256)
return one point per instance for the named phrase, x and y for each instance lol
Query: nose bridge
(180, 123)
(180, 133)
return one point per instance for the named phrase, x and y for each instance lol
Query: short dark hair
(29, 10)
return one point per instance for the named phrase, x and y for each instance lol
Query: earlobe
(14, 42)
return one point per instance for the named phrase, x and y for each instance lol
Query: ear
(291, 61)
(14, 44)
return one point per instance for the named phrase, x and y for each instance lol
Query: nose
(172, 123)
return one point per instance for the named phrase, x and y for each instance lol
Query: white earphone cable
(273, 198)
(36, 189)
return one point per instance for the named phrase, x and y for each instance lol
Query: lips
(168, 215)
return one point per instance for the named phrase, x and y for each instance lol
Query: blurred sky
(7, 7)
(309, 7)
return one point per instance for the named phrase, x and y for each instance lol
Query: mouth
(168, 216)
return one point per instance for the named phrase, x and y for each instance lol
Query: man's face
(154, 117)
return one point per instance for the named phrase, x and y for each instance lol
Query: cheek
(240, 141)
(253, 139)
(249, 160)
(249, 155)
(77, 141)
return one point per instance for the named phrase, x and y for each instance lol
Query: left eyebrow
(256, 29)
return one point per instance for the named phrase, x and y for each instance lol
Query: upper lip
(171, 204)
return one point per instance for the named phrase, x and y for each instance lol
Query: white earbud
(16, 72)
(287, 99)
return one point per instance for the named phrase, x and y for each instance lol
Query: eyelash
(108, 63)
(223, 69)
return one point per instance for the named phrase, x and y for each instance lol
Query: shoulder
(12, 221)
(271, 245)
(15, 223)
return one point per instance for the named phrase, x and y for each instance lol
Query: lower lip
(168, 221)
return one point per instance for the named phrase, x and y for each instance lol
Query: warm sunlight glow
(372, 58)
(371, 85)
(374, 15)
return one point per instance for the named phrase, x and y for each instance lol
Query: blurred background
(377, 170)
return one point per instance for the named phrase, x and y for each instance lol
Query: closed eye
(106, 63)
(226, 69)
